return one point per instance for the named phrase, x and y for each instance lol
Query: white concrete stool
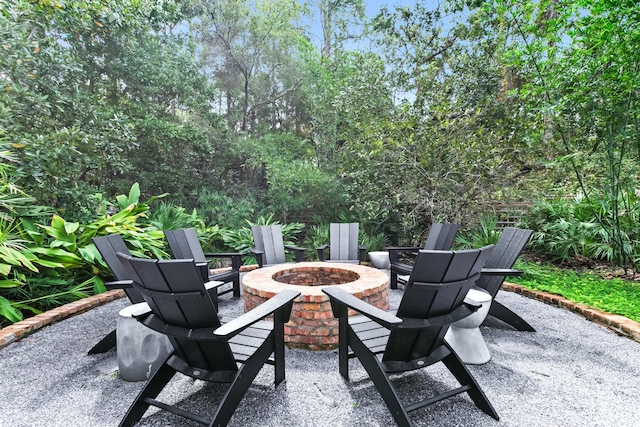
(464, 336)
(140, 350)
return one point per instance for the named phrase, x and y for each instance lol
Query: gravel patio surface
(572, 372)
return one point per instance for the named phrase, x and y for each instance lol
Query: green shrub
(580, 228)
(46, 265)
(483, 234)
(169, 216)
(317, 235)
(221, 210)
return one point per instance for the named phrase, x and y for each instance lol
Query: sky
(372, 7)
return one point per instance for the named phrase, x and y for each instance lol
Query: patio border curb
(619, 324)
(19, 330)
(26, 327)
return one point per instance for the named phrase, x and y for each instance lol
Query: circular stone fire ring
(312, 325)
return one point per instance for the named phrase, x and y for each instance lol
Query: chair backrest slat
(109, 246)
(344, 241)
(268, 238)
(184, 243)
(438, 284)
(508, 248)
(441, 236)
(182, 276)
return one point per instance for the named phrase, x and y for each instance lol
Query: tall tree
(250, 50)
(580, 63)
(454, 144)
(338, 20)
(94, 87)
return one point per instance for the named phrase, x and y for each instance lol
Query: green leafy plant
(169, 216)
(375, 242)
(317, 235)
(611, 295)
(224, 211)
(485, 233)
(45, 265)
(565, 229)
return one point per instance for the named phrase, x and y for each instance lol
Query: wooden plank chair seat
(413, 337)
(204, 347)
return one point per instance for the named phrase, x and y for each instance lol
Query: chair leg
(214, 298)
(151, 389)
(501, 312)
(464, 377)
(343, 347)
(394, 280)
(241, 383)
(236, 287)
(278, 352)
(105, 344)
(381, 380)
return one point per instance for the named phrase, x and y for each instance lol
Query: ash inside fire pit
(315, 276)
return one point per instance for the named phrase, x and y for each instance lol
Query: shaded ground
(571, 372)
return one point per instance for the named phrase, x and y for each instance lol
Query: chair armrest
(394, 250)
(362, 252)
(321, 255)
(119, 284)
(342, 297)
(500, 272)
(259, 255)
(278, 302)
(298, 250)
(399, 268)
(236, 258)
(459, 313)
(213, 284)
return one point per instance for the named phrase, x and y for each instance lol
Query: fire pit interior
(312, 325)
(316, 276)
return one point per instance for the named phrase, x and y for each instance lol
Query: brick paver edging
(28, 326)
(619, 324)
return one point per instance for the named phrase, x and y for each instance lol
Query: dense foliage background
(234, 112)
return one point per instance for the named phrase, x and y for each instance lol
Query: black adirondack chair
(204, 348)
(184, 244)
(414, 337)
(108, 247)
(269, 245)
(343, 244)
(508, 248)
(440, 238)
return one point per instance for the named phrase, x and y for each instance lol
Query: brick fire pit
(312, 325)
